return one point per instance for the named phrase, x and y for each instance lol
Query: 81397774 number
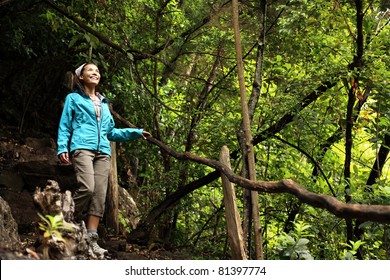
(241, 270)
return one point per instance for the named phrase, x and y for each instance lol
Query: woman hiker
(84, 134)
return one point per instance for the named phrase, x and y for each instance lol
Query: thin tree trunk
(233, 219)
(112, 201)
(252, 104)
(357, 64)
(249, 151)
(348, 155)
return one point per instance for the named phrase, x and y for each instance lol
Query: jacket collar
(102, 98)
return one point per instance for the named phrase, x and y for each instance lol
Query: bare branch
(363, 212)
(376, 213)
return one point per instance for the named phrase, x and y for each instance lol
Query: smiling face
(90, 75)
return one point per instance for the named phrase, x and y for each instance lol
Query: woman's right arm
(65, 128)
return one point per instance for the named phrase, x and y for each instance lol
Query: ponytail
(71, 81)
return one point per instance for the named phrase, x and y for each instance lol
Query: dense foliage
(169, 66)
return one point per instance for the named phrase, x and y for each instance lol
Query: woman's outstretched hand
(146, 134)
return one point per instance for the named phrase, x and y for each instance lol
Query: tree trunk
(252, 104)
(233, 219)
(112, 203)
(354, 88)
(249, 149)
(65, 239)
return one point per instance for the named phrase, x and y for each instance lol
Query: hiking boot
(96, 249)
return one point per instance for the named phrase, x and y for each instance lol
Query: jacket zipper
(98, 124)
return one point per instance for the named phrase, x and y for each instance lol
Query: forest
(298, 91)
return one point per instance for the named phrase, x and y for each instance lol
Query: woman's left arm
(125, 134)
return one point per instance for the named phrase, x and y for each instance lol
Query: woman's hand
(64, 158)
(146, 134)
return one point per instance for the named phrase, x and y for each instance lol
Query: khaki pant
(92, 170)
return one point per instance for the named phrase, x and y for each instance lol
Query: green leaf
(302, 242)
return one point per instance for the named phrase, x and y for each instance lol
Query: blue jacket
(79, 128)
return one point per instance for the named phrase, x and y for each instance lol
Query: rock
(128, 209)
(9, 237)
(22, 209)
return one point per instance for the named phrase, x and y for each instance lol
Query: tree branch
(376, 213)
(136, 54)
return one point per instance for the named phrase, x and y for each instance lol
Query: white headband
(78, 70)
